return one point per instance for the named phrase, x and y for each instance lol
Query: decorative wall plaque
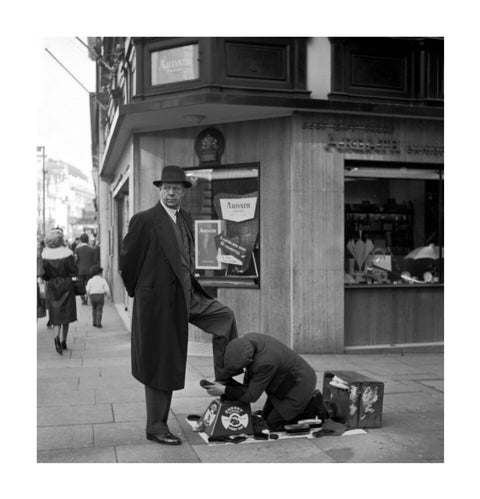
(209, 146)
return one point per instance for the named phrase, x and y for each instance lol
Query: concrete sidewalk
(91, 409)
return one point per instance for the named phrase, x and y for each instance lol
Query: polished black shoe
(64, 345)
(165, 439)
(58, 346)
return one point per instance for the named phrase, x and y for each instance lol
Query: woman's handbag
(79, 287)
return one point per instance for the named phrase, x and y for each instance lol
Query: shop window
(224, 204)
(393, 226)
(174, 65)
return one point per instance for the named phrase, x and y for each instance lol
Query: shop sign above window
(175, 65)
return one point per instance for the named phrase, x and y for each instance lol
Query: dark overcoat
(85, 258)
(58, 268)
(287, 379)
(150, 266)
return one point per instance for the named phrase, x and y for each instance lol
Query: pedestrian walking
(58, 268)
(84, 254)
(271, 367)
(97, 288)
(41, 305)
(157, 268)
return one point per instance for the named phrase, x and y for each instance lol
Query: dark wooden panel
(390, 316)
(379, 72)
(252, 60)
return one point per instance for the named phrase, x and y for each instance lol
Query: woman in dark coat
(271, 367)
(58, 268)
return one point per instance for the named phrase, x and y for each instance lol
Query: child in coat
(97, 287)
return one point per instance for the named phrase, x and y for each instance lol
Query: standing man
(157, 266)
(84, 255)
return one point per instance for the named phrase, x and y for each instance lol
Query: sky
(63, 115)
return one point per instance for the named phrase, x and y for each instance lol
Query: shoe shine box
(227, 418)
(358, 399)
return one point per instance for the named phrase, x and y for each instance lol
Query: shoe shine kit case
(358, 399)
(224, 418)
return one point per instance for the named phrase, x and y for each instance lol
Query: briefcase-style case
(358, 399)
(227, 418)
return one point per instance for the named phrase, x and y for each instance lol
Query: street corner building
(317, 178)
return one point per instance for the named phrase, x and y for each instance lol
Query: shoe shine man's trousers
(212, 317)
(97, 301)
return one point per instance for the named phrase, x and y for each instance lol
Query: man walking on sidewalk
(157, 265)
(84, 255)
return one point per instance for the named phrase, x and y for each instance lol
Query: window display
(393, 225)
(224, 204)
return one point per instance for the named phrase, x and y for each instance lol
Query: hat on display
(172, 173)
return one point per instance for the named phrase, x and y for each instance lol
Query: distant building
(69, 199)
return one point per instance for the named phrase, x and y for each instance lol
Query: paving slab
(103, 362)
(123, 370)
(88, 455)
(124, 433)
(150, 452)
(120, 394)
(65, 437)
(129, 411)
(437, 384)
(125, 381)
(56, 384)
(78, 414)
(67, 372)
(417, 401)
(366, 448)
(275, 451)
(424, 446)
(58, 361)
(57, 397)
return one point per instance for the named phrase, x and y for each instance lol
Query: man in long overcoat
(157, 265)
(273, 368)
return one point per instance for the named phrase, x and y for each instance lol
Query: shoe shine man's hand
(216, 389)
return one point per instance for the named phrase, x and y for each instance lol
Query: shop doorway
(122, 217)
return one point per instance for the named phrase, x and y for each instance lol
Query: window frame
(229, 281)
(402, 171)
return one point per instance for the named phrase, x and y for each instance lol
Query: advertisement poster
(207, 251)
(239, 239)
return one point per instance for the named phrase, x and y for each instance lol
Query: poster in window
(207, 251)
(239, 239)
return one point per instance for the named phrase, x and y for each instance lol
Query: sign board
(238, 209)
(175, 64)
(207, 251)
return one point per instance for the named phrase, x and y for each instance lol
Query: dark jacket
(287, 379)
(85, 258)
(151, 271)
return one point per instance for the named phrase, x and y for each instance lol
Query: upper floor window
(174, 64)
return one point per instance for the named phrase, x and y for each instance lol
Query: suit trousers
(214, 318)
(158, 406)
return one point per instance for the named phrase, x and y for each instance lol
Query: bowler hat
(172, 173)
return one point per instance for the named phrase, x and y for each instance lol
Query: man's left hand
(216, 390)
